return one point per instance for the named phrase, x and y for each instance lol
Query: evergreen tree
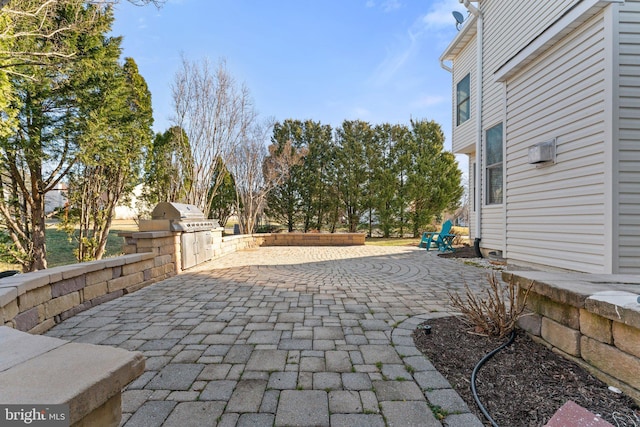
(385, 183)
(223, 202)
(317, 143)
(166, 163)
(402, 167)
(352, 138)
(285, 160)
(108, 168)
(434, 184)
(44, 146)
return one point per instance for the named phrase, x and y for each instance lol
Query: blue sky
(325, 60)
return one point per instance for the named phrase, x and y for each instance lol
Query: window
(463, 100)
(475, 178)
(494, 165)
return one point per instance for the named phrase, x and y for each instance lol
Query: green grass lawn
(60, 248)
(392, 241)
(463, 232)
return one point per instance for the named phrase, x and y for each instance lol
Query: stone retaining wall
(231, 244)
(35, 302)
(593, 320)
(312, 239)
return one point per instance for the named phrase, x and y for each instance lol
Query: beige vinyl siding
(508, 27)
(464, 135)
(629, 140)
(556, 214)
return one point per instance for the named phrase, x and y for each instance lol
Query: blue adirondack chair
(443, 240)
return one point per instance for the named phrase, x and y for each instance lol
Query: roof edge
(467, 32)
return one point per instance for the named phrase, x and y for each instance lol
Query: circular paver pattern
(286, 336)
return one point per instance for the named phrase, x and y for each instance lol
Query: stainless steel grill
(183, 217)
(195, 240)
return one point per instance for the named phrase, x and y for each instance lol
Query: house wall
(628, 189)
(557, 213)
(508, 27)
(464, 135)
(583, 91)
(503, 35)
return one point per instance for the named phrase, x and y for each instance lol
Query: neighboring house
(534, 77)
(56, 198)
(134, 206)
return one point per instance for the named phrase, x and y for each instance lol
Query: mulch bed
(460, 252)
(524, 384)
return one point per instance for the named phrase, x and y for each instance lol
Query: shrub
(269, 228)
(497, 312)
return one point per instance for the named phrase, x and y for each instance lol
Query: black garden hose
(475, 373)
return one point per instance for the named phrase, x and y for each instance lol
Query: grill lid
(183, 217)
(176, 211)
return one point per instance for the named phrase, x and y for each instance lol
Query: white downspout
(478, 178)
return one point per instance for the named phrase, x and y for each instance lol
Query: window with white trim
(494, 165)
(463, 100)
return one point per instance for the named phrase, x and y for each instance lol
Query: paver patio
(286, 336)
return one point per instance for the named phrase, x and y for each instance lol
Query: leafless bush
(495, 311)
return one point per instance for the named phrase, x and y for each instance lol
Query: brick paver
(292, 336)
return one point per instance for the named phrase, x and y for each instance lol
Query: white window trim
(485, 174)
(458, 122)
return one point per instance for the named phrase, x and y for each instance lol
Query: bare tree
(215, 113)
(246, 167)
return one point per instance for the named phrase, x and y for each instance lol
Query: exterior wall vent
(543, 152)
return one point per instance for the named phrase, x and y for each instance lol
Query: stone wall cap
(17, 347)
(574, 288)
(153, 234)
(27, 281)
(133, 258)
(239, 237)
(8, 294)
(81, 375)
(619, 306)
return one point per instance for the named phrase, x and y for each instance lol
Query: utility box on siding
(542, 152)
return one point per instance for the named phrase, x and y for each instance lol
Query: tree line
(75, 112)
(395, 178)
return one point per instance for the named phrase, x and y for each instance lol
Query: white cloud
(142, 23)
(428, 101)
(391, 5)
(360, 113)
(386, 5)
(393, 63)
(440, 16)
(435, 27)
